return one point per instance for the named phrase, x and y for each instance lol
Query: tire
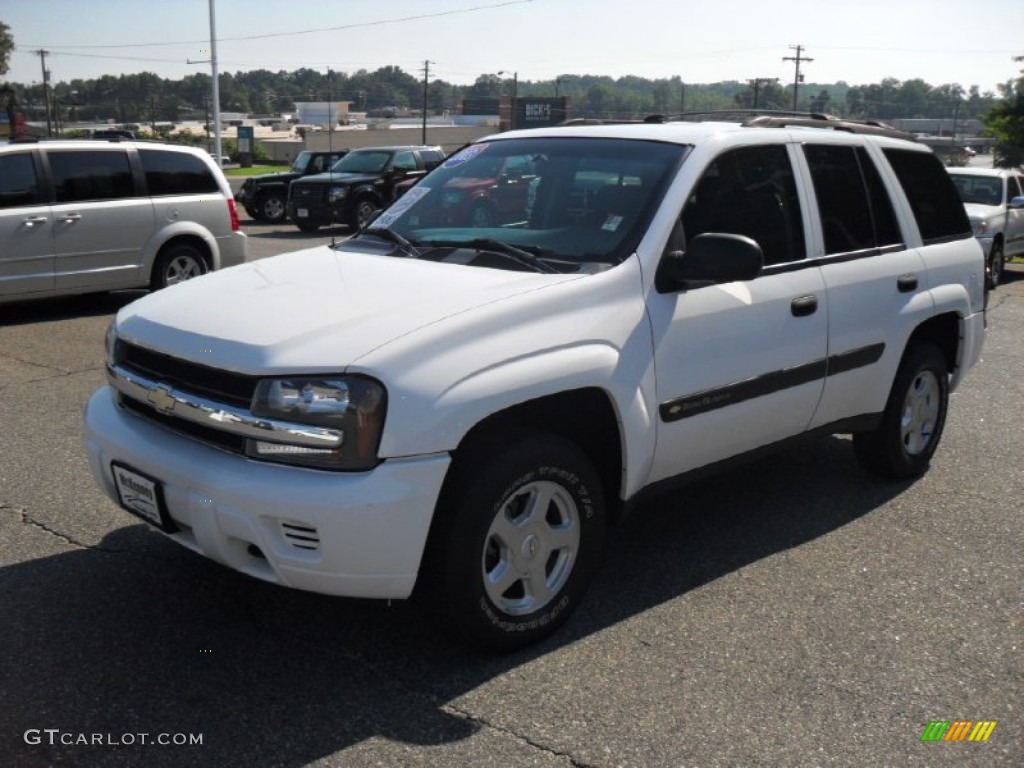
(994, 267)
(253, 212)
(272, 209)
(519, 536)
(482, 215)
(307, 226)
(362, 213)
(915, 414)
(176, 264)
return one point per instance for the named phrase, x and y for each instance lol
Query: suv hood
(340, 178)
(316, 310)
(980, 211)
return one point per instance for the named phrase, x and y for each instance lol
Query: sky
(939, 41)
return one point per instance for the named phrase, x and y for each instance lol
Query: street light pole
(515, 96)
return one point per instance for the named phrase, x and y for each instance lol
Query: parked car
(264, 197)
(78, 216)
(994, 201)
(357, 186)
(458, 413)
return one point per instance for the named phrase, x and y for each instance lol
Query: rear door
(1014, 218)
(101, 218)
(26, 238)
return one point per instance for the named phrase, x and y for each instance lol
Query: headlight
(352, 405)
(981, 227)
(334, 194)
(110, 343)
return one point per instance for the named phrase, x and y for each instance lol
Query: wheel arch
(944, 332)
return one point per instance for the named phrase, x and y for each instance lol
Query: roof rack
(767, 118)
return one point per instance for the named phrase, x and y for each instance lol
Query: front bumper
(362, 534)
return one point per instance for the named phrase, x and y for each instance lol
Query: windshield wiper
(513, 253)
(406, 246)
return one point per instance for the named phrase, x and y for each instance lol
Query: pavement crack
(27, 519)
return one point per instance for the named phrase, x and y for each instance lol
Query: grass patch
(255, 170)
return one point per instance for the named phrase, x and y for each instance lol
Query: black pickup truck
(358, 186)
(264, 196)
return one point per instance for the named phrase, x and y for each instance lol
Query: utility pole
(46, 89)
(756, 84)
(797, 78)
(426, 80)
(682, 97)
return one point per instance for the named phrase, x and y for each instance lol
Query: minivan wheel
(272, 209)
(914, 416)
(518, 539)
(177, 264)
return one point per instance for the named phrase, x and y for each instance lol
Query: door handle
(906, 283)
(70, 217)
(804, 305)
(31, 221)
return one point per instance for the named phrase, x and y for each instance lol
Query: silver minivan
(78, 216)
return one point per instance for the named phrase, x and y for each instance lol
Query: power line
(267, 35)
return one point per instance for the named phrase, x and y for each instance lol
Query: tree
(6, 47)
(1006, 123)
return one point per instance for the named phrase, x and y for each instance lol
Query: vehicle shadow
(62, 308)
(138, 635)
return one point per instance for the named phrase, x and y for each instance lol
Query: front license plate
(142, 495)
(303, 213)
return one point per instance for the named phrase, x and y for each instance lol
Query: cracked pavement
(793, 612)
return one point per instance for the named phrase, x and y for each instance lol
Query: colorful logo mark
(958, 730)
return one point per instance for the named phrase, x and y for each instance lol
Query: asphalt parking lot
(796, 612)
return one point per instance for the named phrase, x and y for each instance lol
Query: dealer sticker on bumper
(142, 496)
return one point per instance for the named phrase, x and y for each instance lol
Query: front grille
(307, 193)
(222, 386)
(214, 437)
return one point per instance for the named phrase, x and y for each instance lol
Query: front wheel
(272, 209)
(994, 272)
(914, 416)
(363, 213)
(177, 264)
(518, 540)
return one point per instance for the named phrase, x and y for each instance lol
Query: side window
(933, 198)
(404, 161)
(856, 213)
(750, 191)
(18, 184)
(1016, 187)
(176, 173)
(432, 158)
(84, 175)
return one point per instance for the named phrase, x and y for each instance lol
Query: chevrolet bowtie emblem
(161, 399)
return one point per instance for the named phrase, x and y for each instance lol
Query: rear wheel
(482, 215)
(272, 208)
(518, 539)
(914, 416)
(176, 264)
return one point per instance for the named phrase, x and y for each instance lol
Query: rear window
(176, 173)
(934, 200)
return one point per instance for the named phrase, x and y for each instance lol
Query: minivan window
(933, 199)
(856, 213)
(176, 173)
(91, 175)
(18, 184)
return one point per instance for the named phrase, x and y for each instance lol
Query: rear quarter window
(18, 184)
(176, 173)
(933, 198)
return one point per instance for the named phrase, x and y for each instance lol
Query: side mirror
(1016, 202)
(710, 259)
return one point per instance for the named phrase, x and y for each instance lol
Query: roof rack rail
(769, 118)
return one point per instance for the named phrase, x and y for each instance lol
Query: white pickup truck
(459, 412)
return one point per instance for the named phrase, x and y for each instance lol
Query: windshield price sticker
(465, 155)
(400, 206)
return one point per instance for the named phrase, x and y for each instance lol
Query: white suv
(994, 201)
(464, 409)
(78, 216)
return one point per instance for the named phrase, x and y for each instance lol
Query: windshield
(570, 200)
(301, 160)
(984, 190)
(362, 162)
